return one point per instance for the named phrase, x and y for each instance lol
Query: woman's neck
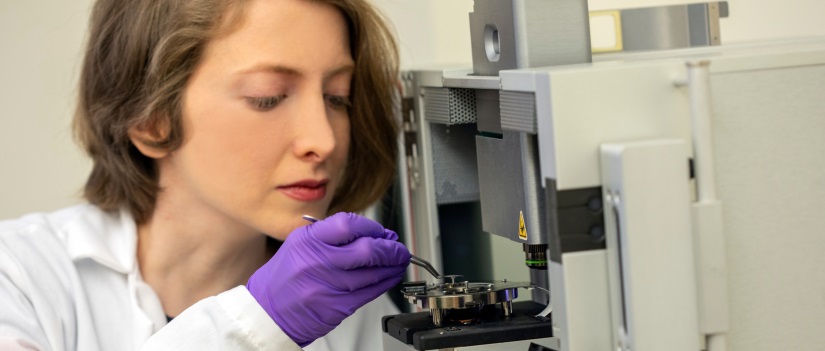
(186, 257)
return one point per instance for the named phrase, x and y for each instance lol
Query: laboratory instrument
(623, 174)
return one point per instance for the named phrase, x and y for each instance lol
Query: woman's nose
(315, 137)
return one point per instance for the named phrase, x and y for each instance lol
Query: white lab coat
(69, 281)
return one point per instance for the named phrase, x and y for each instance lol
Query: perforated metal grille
(462, 106)
(449, 105)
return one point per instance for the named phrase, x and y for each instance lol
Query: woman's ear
(148, 135)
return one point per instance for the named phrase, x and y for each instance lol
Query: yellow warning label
(522, 229)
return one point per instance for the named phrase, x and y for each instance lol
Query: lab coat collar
(108, 238)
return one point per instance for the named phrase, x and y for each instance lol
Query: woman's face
(266, 128)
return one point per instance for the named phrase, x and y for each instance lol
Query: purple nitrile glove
(325, 271)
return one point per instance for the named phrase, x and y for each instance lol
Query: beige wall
(40, 41)
(40, 47)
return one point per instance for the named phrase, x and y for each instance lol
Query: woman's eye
(265, 103)
(338, 102)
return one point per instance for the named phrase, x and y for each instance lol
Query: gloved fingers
(343, 227)
(361, 278)
(369, 293)
(367, 252)
(390, 235)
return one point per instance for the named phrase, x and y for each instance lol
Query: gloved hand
(325, 271)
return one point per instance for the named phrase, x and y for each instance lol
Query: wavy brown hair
(140, 55)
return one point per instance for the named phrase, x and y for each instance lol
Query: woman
(213, 127)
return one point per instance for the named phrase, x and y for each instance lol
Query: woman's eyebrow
(289, 71)
(345, 68)
(270, 68)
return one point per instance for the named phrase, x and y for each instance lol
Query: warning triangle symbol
(522, 229)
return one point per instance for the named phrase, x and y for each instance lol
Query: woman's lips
(309, 190)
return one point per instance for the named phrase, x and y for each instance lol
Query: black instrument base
(418, 330)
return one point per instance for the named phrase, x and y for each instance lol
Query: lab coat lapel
(110, 239)
(107, 238)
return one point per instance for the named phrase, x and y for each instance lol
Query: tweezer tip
(309, 218)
